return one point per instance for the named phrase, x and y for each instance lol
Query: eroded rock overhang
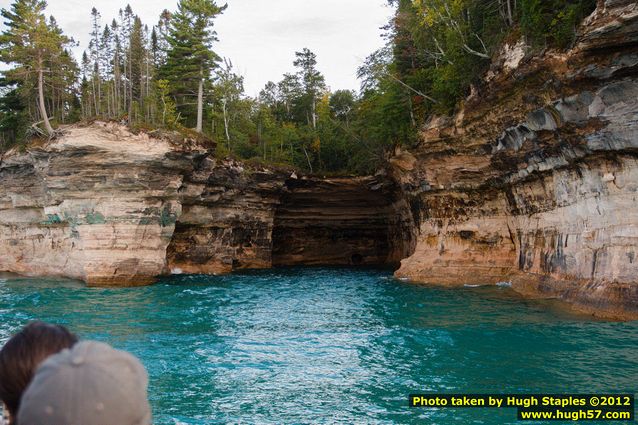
(113, 208)
(342, 221)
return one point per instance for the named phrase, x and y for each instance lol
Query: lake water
(330, 346)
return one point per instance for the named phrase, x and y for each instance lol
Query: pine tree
(313, 82)
(94, 47)
(125, 65)
(117, 66)
(161, 46)
(126, 29)
(289, 91)
(190, 57)
(85, 86)
(135, 60)
(149, 74)
(35, 47)
(12, 113)
(62, 77)
(106, 56)
(154, 47)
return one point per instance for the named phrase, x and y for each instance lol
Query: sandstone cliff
(80, 206)
(535, 180)
(113, 208)
(342, 221)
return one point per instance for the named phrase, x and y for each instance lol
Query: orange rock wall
(535, 181)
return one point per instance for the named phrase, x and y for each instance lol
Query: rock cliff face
(81, 206)
(112, 208)
(535, 181)
(342, 221)
(227, 218)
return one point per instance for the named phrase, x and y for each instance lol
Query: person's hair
(21, 356)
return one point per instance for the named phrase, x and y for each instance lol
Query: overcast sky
(261, 36)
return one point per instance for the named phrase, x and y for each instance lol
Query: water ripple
(330, 345)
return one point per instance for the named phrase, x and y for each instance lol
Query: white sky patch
(260, 37)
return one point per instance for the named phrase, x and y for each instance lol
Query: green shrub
(553, 23)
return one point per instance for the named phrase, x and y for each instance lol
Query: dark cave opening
(342, 222)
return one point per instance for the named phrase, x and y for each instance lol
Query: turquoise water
(331, 345)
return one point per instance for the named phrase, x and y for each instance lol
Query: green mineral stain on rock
(147, 220)
(71, 219)
(167, 218)
(95, 218)
(52, 219)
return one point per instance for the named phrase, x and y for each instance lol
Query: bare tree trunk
(474, 52)
(423, 95)
(509, 12)
(200, 101)
(43, 109)
(99, 91)
(226, 122)
(82, 107)
(314, 113)
(108, 101)
(412, 119)
(118, 83)
(62, 108)
(308, 159)
(147, 79)
(142, 106)
(124, 87)
(164, 110)
(94, 95)
(130, 85)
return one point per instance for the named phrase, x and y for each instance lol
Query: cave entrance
(342, 222)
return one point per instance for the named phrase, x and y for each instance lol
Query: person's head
(90, 384)
(23, 353)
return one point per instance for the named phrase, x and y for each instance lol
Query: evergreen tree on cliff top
(313, 83)
(35, 48)
(190, 57)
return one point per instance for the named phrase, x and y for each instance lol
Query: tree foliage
(168, 75)
(41, 81)
(190, 57)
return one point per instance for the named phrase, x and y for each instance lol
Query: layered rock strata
(113, 208)
(98, 205)
(342, 221)
(535, 181)
(228, 211)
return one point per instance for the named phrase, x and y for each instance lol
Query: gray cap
(90, 384)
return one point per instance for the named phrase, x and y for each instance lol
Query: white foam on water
(504, 284)
(472, 286)
(177, 271)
